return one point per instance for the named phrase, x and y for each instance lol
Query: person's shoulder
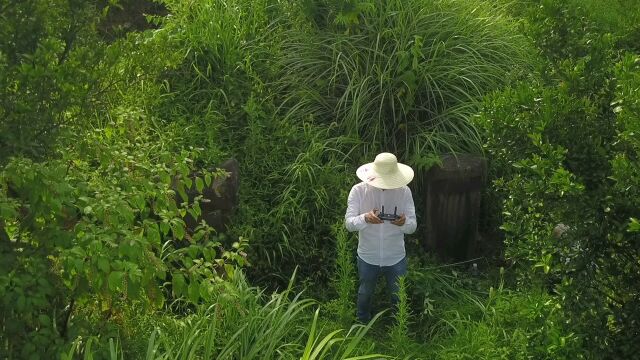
(359, 187)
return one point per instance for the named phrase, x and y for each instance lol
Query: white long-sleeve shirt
(380, 244)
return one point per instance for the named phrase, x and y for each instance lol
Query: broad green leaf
(103, 265)
(164, 227)
(182, 192)
(115, 280)
(194, 292)
(138, 202)
(188, 182)
(228, 268)
(178, 229)
(133, 288)
(157, 299)
(178, 283)
(153, 234)
(199, 184)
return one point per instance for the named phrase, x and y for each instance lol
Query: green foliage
(96, 224)
(399, 333)
(580, 60)
(348, 346)
(538, 191)
(237, 324)
(342, 14)
(292, 195)
(563, 152)
(295, 104)
(618, 17)
(605, 263)
(86, 349)
(242, 322)
(345, 272)
(94, 241)
(577, 57)
(516, 326)
(561, 30)
(462, 317)
(405, 83)
(48, 74)
(216, 50)
(217, 93)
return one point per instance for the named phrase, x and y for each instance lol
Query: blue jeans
(369, 276)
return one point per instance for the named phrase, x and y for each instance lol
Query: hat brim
(399, 178)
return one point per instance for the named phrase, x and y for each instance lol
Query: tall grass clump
(332, 346)
(463, 317)
(241, 322)
(403, 75)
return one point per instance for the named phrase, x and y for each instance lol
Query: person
(381, 248)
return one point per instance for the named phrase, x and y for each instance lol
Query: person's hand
(400, 221)
(372, 217)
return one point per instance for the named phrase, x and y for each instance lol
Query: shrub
(94, 226)
(47, 74)
(565, 155)
(537, 190)
(606, 310)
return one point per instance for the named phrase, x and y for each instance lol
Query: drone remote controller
(390, 217)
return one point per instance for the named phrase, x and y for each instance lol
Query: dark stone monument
(452, 204)
(129, 15)
(220, 199)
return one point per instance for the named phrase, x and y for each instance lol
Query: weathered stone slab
(452, 206)
(219, 200)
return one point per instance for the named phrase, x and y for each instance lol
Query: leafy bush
(565, 154)
(301, 93)
(538, 191)
(48, 74)
(217, 94)
(618, 17)
(96, 225)
(607, 311)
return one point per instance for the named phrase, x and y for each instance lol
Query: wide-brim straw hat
(385, 172)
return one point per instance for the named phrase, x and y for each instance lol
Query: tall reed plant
(345, 273)
(401, 318)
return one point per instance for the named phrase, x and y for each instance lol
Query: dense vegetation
(105, 127)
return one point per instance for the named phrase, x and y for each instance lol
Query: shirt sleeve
(353, 219)
(410, 223)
